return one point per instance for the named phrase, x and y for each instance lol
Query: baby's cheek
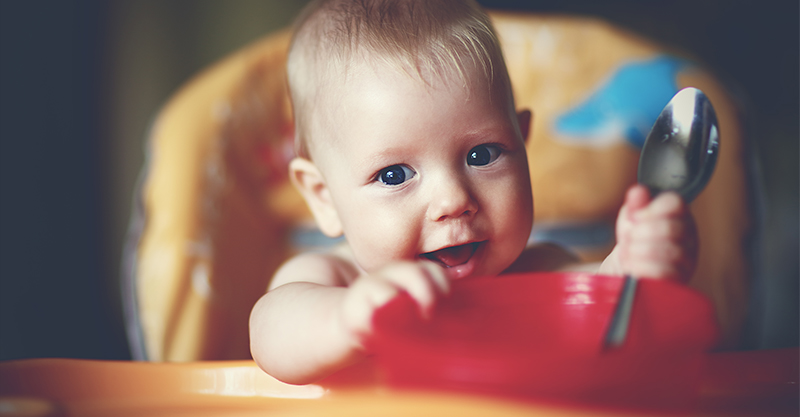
(380, 241)
(516, 220)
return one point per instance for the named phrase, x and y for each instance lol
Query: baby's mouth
(452, 256)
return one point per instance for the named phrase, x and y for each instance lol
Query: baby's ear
(309, 181)
(524, 118)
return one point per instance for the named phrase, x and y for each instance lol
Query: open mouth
(452, 256)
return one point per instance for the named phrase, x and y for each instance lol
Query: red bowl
(539, 335)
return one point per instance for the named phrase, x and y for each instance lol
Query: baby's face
(420, 171)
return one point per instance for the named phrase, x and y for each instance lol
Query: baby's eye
(395, 175)
(483, 155)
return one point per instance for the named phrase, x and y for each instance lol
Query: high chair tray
(748, 383)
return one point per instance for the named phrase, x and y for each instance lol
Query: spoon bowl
(680, 152)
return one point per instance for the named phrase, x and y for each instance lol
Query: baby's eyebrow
(500, 134)
(386, 156)
(372, 162)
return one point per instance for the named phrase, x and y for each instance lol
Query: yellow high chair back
(217, 215)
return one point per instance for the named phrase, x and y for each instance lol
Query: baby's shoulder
(333, 268)
(543, 257)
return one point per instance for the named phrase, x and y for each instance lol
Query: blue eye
(395, 175)
(483, 155)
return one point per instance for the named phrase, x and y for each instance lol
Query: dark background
(79, 81)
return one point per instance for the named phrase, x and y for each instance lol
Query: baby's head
(424, 39)
(407, 136)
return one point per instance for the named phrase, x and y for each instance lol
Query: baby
(409, 145)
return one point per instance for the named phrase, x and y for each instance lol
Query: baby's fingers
(666, 229)
(365, 296)
(421, 280)
(668, 204)
(437, 275)
(636, 198)
(655, 259)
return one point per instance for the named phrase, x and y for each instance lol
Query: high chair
(216, 214)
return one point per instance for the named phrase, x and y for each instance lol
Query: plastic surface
(757, 383)
(539, 336)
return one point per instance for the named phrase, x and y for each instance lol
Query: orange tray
(751, 383)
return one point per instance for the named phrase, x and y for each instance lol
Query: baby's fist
(655, 238)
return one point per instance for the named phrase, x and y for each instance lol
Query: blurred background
(80, 81)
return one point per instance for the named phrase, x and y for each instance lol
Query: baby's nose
(451, 200)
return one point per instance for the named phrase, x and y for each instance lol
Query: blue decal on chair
(626, 106)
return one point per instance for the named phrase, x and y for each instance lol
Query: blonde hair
(426, 38)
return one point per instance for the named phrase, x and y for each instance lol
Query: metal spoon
(679, 155)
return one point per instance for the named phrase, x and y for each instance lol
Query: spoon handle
(618, 328)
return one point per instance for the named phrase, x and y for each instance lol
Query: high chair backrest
(216, 214)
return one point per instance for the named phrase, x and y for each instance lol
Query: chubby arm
(656, 238)
(311, 324)
(294, 328)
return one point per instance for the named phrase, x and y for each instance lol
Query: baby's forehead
(348, 78)
(351, 101)
(387, 71)
(364, 79)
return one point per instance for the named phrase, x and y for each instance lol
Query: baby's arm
(311, 324)
(655, 238)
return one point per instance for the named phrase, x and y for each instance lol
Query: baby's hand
(655, 238)
(424, 281)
